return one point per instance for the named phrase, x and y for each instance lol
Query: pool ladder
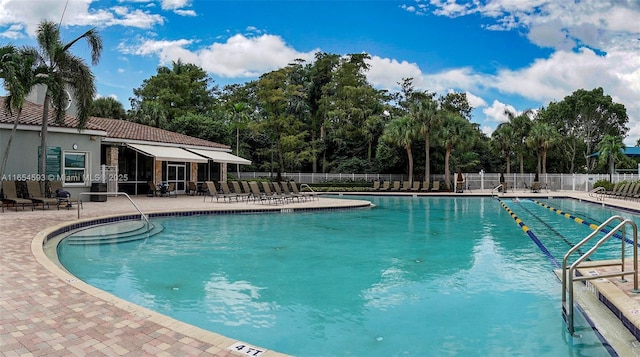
(570, 274)
(598, 193)
(142, 215)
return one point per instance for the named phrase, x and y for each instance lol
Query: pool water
(411, 277)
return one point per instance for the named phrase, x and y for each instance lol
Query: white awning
(167, 153)
(221, 156)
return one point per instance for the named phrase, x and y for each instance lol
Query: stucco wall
(23, 154)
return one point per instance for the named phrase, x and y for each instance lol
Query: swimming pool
(413, 276)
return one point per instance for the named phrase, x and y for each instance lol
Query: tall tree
(521, 125)
(64, 71)
(425, 112)
(542, 137)
(107, 107)
(454, 132)
(610, 150)
(20, 75)
(594, 115)
(505, 139)
(402, 132)
(184, 88)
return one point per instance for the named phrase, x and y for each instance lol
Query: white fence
(473, 181)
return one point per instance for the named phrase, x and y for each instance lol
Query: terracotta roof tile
(122, 129)
(32, 115)
(115, 128)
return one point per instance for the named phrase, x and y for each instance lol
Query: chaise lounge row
(31, 195)
(406, 186)
(263, 191)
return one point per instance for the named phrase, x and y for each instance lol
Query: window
(75, 167)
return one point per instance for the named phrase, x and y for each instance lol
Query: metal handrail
(568, 274)
(144, 216)
(495, 189)
(313, 193)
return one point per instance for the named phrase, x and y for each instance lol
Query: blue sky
(505, 54)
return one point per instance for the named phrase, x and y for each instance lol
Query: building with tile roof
(121, 155)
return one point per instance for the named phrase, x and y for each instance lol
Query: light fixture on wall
(74, 146)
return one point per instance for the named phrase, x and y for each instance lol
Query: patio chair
(376, 186)
(416, 186)
(280, 192)
(285, 188)
(385, 186)
(406, 186)
(35, 194)
(635, 187)
(238, 190)
(425, 186)
(56, 186)
(266, 187)
(256, 193)
(396, 186)
(535, 187)
(153, 189)
(192, 188)
(10, 195)
(211, 191)
(246, 188)
(226, 192)
(436, 186)
(170, 190)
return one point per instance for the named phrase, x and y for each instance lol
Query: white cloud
(238, 57)
(23, 20)
(386, 73)
(475, 101)
(495, 113)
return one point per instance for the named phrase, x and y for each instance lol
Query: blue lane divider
(591, 225)
(531, 235)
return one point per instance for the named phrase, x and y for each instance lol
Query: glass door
(177, 173)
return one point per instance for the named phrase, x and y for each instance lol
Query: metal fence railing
(473, 181)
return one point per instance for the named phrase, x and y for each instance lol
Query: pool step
(114, 233)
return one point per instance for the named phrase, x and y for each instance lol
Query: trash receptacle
(98, 187)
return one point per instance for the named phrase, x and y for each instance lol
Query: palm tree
(20, 75)
(455, 131)
(401, 132)
(611, 149)
(239, 121)
(64, 70)
(541, 138)
(425, 112)
(521, 126)
(505, 139)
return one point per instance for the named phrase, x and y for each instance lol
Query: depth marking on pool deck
(531, 235)
(246, 349)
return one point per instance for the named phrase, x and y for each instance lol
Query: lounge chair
(406, 186)
(436, 186)
(425, 186)
(459, 187)
(226, 192)
(211, 191)
(238, 190)
(615, 188)
(256, 193)
(266, 187)
(385, 186)
(57, 185)
(285, 188)
(10, 195)
(635, 187)
(35, 194)
(280, 192)
(246, 188)
(396, 186)
(376, 186)
(415, 186)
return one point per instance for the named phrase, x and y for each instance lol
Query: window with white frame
(75, 167)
